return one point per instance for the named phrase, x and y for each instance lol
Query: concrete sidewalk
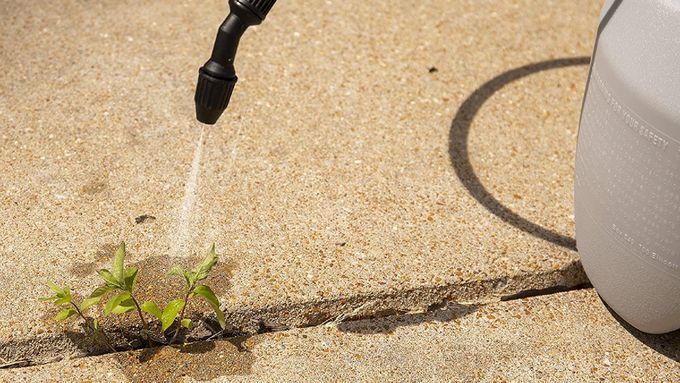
(365, 158)
(566, 337)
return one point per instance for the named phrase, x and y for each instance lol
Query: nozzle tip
(207, 116)
(212, 97)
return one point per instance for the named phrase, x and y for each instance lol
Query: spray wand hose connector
(217, 77)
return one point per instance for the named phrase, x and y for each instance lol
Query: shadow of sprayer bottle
(627, 188)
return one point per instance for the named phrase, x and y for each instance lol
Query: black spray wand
(217, 77)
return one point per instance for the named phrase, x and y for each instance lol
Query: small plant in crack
(119, 288)
(191, 289)
(62, 297)
(122, 281)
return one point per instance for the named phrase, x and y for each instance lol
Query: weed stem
(105, 338)
(145, 324)
(181, 316)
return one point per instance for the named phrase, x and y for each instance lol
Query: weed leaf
(58, 290)
(109, 279)
(176, 270)
(89, 302)
(63, 301)
(64, 297)
(209, 296)
(118, 269)
(130, 278)
(96, 329)
(190, 277)
(48, 299)
(124, 306)
(63, 314)
(115, 301)
(170, 313)
(100, 291)
(152, 308)
(95, 297)
(202, 269)
(187, 323)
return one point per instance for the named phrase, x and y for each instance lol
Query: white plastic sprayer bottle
(627, 192)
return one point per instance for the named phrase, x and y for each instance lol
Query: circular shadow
(460, 157)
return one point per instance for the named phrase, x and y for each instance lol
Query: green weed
(118, 291)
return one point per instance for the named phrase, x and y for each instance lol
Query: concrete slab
(372, 153)
(566, 337)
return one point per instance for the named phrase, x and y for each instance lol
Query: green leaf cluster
(121, 281)
(119, 278)
(62, 296)
(197, 274)
(169, 313)
(207, 293)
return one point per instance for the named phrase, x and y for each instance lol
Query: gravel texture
(349, 169)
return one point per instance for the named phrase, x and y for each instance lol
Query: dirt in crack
(200, 361)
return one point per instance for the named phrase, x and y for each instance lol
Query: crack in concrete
(547, 291)
(249, 321)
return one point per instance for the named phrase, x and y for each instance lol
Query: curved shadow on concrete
(460, 158)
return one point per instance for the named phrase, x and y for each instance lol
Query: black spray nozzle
(217, 77)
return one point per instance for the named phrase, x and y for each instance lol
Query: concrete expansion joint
(416, 305)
